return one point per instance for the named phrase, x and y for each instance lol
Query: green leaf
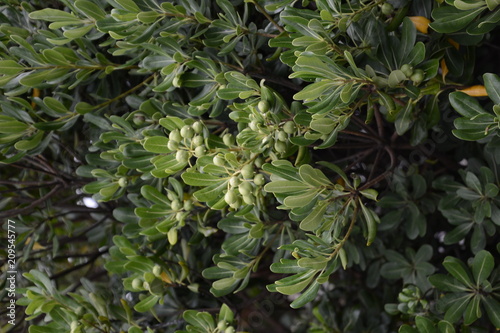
(457, 309)
(13, 126)
(449, 20)
(31, 143)
(492, 307)
(473, 311)
(307, 296)
(301, 199)
(55, 105)
(147, 303)
(492, 84)
(10, 67)
(404, 119)
(465, 104)
(156, 144)
(424, 325)
(482, 266)
(129, 5)
(199, 179)
(395, 78)
(294, 288)
(285, 186)
(324, 125)
(152, 194)
(90, 9)
(445, 327)
(458, 270)
(54, 15)
(317, 263)
(313, 220)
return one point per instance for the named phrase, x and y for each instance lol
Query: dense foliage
(257, 165)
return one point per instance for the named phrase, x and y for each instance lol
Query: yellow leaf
(475, 91)
(421, 23)
(444, 69)
(165, 278)
(452, 42)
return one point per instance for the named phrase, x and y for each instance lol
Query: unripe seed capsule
(387, 9)
(137, 283)
(182, 156)
(123, 182)
(200, 151)
(157, 270)
(138, 119)
(236, 204)
(249, 199)
(172, 145)
(198, 127)
(234, 181)
(247, 171)
(282, 136)
(187, 132)
(228, 139)
(188, 205)
(407, 70)
(259, 179)
(175, 135)
(176, 205)
(198, 140)
(289, 127)
(245, 188)
(219, 160)
(258, 162)
(280, 146)
(263, 106)
(230, 197)
(418, 76)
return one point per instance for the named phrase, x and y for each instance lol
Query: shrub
(213, 166)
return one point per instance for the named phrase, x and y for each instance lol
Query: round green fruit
(245, 188)
(198, 127)
(219, 160)
(234, 181)
(230, 197)
(407, 70)
(417, 76)
(157, 270)
(289, 127)
(200, 151)
(280, 146)
(187, 132)
(247, 171)
(175, 135)
(172, 145)
(137, 283)
(263, 106)
(282, 136)
(182, 156)
(387, 9)
(259, 179)
(228, 139)
(198, 140)
(123, 182)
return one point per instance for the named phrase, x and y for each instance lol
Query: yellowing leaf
(475, 91)
(452, 42)
(421, 23)
(444, 69)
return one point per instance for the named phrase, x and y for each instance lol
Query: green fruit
(198, 127)
(122, 182)
(200, 151)
(407, 70)
(245, 188)
(258, 162)
(249, 199)
(187, 132)
(387, 9)
(228, 139)
(175, 135)
(198, 140)
(222, 325)
(263, 106)
(417, 76)
(172, 145)
(230, 197)
(137, 283)
(219, 160)
(182, 156)
(176, 205)
(236, 204)
(157, 270)
(282, 136)
(247, 171)
(289, 127)
(259, 179)
(230, 329)
(188, 205)
(234, 181)
(280, 146)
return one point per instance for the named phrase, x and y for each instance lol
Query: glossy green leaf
(10, 67)
(147, 303)
(314, 219)
(90, 9)
(482, 266)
